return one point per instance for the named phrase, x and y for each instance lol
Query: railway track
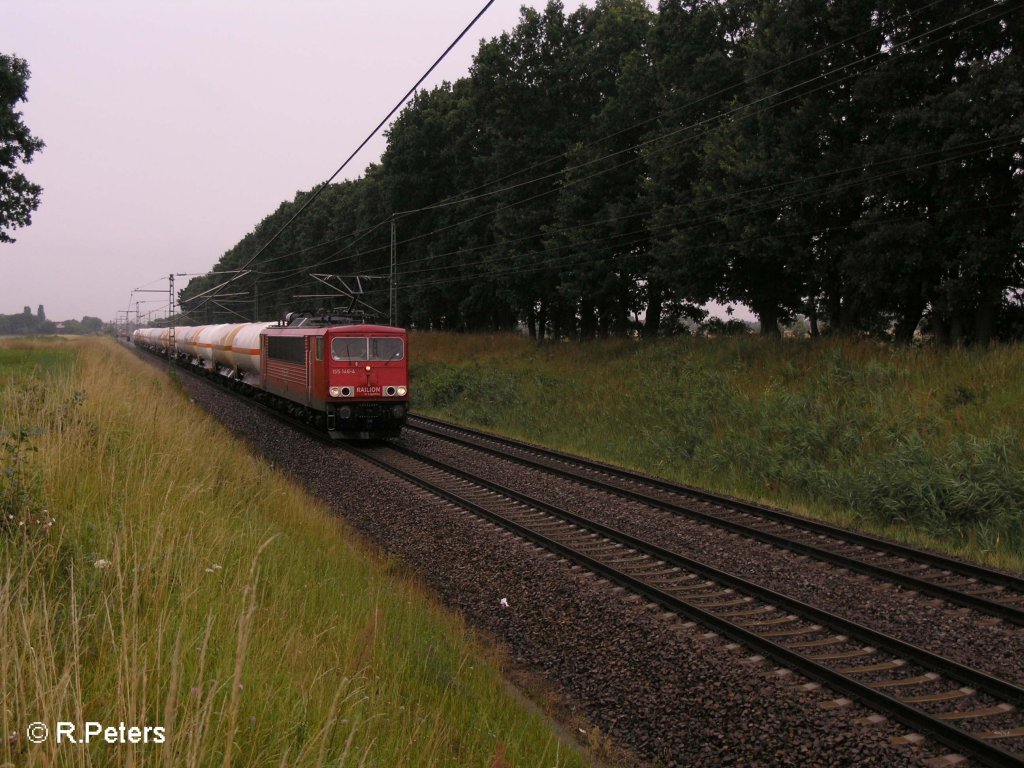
(965, 584)
(968, 711)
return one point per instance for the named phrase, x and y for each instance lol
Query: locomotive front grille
(369, 411)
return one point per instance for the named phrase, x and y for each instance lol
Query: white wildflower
(102, 564)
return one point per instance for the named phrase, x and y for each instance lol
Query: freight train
(349, 379)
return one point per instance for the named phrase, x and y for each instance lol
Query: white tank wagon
(151, 338)
(236, 347)
(349, 379)
(230, 349)
(186, 339)
(202, 344)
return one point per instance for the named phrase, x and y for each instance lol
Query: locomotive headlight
(403, 391)
(335, 391)
(367, 369)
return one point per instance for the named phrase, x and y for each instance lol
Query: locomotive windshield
(347, 348)
(372, 349)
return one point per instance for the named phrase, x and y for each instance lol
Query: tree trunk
(620, 320)
(652, 322)
(768, 317)
(834, 310)
(956, 331)
(909, 318)
(588, 323)
(985, 319)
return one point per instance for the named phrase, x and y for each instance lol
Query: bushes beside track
(923, 444)
(154, 573)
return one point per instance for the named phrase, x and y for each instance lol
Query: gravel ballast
(970, 638)
(670, 691)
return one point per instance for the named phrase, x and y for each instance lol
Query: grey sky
(173, 126)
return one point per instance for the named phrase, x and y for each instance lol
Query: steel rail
(980, 603)
(991, 685)
(944, 732)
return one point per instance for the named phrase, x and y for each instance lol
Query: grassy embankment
(153, 573)
(924, 445)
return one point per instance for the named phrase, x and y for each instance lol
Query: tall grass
(153, 573)
(922, 444)
(21, 358)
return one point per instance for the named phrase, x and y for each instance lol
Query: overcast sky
(173, 126)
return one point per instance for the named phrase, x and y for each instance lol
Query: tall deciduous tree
(697, 78)
(944, 233)
(18, 196)
(775, 170)
(600, 232)
(861, 162)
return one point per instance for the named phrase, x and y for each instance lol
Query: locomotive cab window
(376, 349)
(319, 347)
(348, 348)
(386, 349)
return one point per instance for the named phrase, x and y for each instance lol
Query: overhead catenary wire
(319, 190)
(904, 47)
(678, 225)
(732, 112)
(728, 113)
(580, 261)
(986, 144)
(575, 260)
(660, 116)
(644, 234)
(977, 147)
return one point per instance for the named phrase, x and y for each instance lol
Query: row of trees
(615, 169)
(27, 323)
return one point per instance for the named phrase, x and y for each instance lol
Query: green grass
(32, 358)
(153, 572)
(921, 444)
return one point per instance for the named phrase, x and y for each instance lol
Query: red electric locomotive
(353, 377)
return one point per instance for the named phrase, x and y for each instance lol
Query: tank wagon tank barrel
(350, 379)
